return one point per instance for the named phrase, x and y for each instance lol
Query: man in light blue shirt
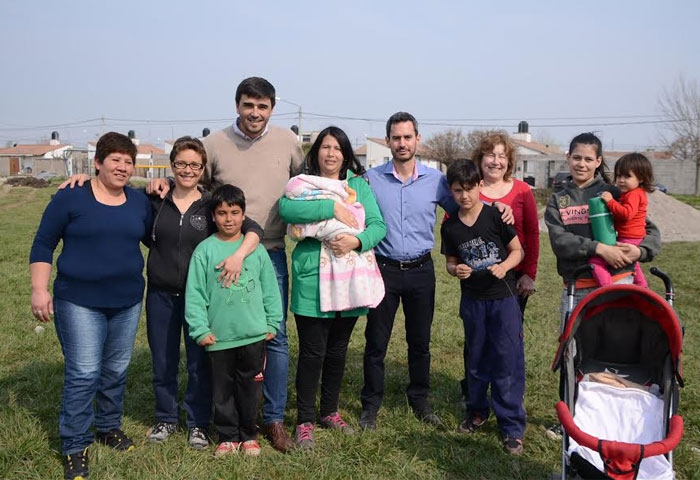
(408, 194)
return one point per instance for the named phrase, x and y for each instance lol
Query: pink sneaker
(227, 448)
(305, 436)
(335, 422)
(250, 448)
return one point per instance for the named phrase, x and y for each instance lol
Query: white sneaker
(198, 438)
(160, 432)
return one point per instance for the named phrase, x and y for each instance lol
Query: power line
(463, 123)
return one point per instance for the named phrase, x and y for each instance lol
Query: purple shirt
(409, 209)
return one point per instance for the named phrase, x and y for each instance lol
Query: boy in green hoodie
(233, 323)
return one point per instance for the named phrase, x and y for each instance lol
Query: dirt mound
(27, 182)
(678, 221)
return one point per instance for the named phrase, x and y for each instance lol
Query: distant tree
(475, 136)
(681, 106)
(448, 146)
(546, 138)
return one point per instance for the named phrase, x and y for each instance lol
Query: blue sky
(165, 70)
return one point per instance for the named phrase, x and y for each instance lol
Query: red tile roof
(147, 148)
(538, 147)
(362, 150)
(142, 148)
(30, 150)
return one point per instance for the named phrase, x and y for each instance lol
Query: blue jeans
(277, 366)
(165, 319)
(97, 345)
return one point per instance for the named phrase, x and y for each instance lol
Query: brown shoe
(278, 436)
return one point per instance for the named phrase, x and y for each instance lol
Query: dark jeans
(522, 303)
(323, 345)
(165, 322)
(415, 288)
(237, 375)
(496, 358)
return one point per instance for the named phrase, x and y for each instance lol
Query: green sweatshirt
(241, 314)
(305, 258)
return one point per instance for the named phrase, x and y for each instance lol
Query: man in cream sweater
(260, 159)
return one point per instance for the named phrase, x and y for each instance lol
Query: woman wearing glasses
(181, 220)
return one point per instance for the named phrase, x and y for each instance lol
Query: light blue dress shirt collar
(240, 133)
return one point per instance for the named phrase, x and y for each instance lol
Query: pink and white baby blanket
(347, 282)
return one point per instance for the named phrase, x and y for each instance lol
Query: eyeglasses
(183, 165)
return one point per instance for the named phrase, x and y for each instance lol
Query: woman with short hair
(97, 296)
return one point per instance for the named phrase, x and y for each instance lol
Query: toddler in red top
(634, 177)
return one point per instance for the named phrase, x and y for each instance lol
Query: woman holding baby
(334, 198)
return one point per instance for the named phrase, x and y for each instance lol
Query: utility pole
(300, 135)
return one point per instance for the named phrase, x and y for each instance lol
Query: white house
(376, 152)
(33, 159)
(149, 158)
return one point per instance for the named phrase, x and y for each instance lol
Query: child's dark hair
(590, 138)
(229, 195)
(465, 173)
(640, 166)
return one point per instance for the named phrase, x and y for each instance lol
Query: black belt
(405, 265)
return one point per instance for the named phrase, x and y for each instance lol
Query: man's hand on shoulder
(78, 179)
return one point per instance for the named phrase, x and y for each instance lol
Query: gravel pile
(678, 221)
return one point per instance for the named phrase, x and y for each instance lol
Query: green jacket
(241, 314)
(305, 258)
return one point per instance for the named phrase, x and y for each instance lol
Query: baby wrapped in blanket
(346, 282)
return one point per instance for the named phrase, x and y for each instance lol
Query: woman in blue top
(97, 296)
(181, 220)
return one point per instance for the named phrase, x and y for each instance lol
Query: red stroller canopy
(644, 302)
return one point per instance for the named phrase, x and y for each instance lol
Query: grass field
(691, 200)
(31, 373)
